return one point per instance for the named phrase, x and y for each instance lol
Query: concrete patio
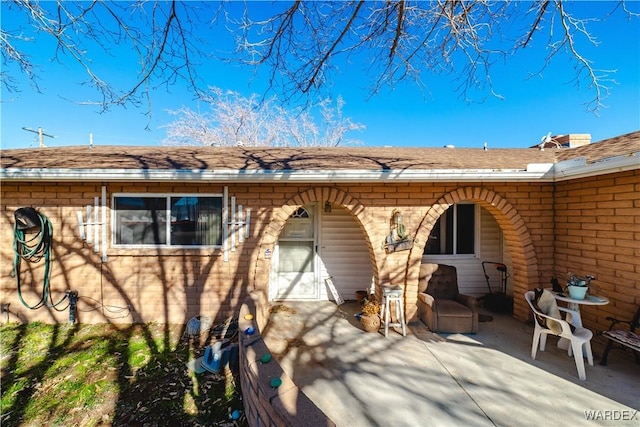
(427, 379)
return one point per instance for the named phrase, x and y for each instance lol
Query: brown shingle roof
(612, 147)
(273, 159)
(304, 159)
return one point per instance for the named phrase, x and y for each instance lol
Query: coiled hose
(34, 247)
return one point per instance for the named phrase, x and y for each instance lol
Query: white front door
(294, 261)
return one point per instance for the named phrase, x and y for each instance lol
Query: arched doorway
(516, 237)
(297, 251)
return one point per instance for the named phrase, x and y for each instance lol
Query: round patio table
(574, 304)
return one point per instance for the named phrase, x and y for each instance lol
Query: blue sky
(400, 117)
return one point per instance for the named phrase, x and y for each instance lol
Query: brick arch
(261, 266)
(517, 238)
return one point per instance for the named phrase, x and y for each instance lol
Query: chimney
(573, 140)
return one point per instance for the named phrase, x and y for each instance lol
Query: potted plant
(577, 286)
(370, 316)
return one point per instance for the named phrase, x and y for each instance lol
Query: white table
(574, 304)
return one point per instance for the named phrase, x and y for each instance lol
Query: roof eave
(579, 168)
(330, 176)
(562, 171)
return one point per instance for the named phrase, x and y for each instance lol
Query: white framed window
(167, 220)
(455, 232)
(296, 242)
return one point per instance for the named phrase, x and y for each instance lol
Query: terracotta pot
(370, 323)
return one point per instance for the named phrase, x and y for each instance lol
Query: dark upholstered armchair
(440, 305)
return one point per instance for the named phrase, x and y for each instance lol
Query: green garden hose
(34, 247)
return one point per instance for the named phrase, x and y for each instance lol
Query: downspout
(554, 227)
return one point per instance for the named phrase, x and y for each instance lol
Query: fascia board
(579, 168)
(198, 175)
(562, 171)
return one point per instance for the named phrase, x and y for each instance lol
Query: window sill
(149, 251)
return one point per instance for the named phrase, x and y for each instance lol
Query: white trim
(477, 213)
(579, 168)
(336, 175)
(546, 172)
(104, 223)
(225, 226)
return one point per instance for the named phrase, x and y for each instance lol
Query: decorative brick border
(265, 405)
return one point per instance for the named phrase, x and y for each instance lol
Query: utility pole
(41, 135)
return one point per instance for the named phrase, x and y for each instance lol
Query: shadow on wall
(270, 396)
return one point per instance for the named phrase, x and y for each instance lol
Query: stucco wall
(174, 285)
(597, 232)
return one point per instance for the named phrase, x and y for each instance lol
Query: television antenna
(41, 135)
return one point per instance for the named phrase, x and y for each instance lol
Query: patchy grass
(89, 375)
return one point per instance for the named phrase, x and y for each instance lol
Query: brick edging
(265, 405)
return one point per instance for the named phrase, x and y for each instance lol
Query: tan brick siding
(174, 285)
(597, 232)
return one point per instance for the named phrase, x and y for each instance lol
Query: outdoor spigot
(73, 299)
(5, 311)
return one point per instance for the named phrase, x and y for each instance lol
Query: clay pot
(370, 323)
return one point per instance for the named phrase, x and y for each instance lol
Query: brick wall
(166, 285)
(172, 285)
(597, 232)
(264, 404)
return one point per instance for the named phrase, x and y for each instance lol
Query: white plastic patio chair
(580, 338)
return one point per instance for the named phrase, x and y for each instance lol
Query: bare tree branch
(534, 26)
(303, 45)
(329, 52)
(598, 80)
